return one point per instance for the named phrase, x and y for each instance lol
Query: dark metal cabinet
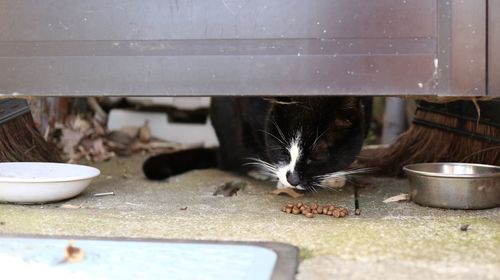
(244, 47)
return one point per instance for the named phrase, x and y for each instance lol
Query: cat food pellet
(314, 209)
(336, 213)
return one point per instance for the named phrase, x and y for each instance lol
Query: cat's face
(309, 139)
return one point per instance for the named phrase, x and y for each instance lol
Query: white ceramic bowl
(39, 182)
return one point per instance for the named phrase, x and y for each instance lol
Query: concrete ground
(392, 241)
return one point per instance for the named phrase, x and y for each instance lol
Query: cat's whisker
(272, 135)
(318, 137)
(266, 166)
(279, 130)
(343, 174)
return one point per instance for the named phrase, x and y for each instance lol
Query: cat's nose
(293, 178)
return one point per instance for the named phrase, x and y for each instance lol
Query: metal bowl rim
(408, 169)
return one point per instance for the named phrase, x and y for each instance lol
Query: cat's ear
(348, 113)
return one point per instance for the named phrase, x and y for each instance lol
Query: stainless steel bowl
(454, 185)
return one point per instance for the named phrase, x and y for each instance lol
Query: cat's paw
(334, 183)
(256, 174)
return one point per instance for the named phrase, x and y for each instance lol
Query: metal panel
(494, 48)
(96, 20)
(236, 47)
(462, 48)
(231, 47)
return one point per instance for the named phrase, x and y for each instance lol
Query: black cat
(299, 141)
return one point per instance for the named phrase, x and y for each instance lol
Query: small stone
(464, 227)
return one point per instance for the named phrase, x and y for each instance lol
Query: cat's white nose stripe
(295, 152)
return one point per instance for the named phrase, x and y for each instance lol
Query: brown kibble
(331, 208)
(309, 215)
(315, 211)
(289, 205)
(329, 213)
(314, 206)
(325, 210)
(288, 210)
(296, 210)
(300, 204)
(336, 213)
(283, 209)
(302, 208)
(320, 209)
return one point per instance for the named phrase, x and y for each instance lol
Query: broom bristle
(422, 144)
(20, 140)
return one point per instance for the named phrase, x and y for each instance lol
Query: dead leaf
(131, 131)
(397, 198)
(80, 124)
(145, 133)
(229, 189)
(287, 191)
(99, 129)
(72, 254)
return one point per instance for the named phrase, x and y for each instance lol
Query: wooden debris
(72, 254)
(397, 198)
(287, 191)
(104, 194)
